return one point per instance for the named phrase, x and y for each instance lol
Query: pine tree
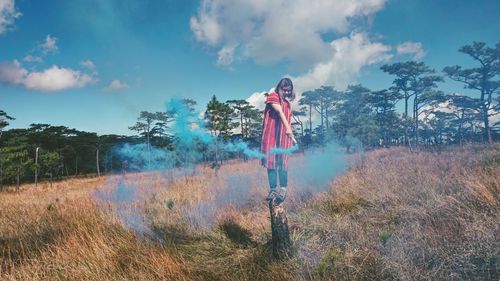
(484, 78)
(16, 160)
(413, 79)
(219, 117)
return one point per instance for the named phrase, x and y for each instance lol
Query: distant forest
(356, 116)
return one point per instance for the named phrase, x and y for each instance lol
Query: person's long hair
(285, 83)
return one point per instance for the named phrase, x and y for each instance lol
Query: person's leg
(273, 183)
(283, 176)
(273, 179)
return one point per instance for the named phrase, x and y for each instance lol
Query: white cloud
(41, 50)
(32, 58)
(49, 80)
(8, 14)
(414, 48)
(49, 45)
(12, 73)
(88, 64)
(257, 99)
(348, 56)
(226, 56)
(205, 29)
(56, 79)
(116, 86)
(271, 31)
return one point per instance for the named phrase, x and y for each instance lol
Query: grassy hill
(393, 214)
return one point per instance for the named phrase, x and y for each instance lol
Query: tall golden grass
(393, 215)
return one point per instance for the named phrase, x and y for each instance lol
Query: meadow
(388, 214)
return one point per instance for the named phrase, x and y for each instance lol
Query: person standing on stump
(277, 134)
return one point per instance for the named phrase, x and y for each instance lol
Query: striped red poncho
(273, 133)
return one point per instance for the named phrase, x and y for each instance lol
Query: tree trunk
(460, 128)
(326, 119)
(487, 131)
(415, 118)
(282, 245)
(148, 144)
(310, 120)
(149, 152)
(407, 97)
(416, 129)
(241, 124)
(97, 163)
(322, 119)
(405, 118)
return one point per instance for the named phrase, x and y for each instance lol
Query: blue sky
(94, 65)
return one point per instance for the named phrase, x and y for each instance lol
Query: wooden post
(36, 165)
(282, 245)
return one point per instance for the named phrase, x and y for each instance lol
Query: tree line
(357, 114)
(430, 116)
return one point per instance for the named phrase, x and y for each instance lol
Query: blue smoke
(287, 151)
(318, 167)
(123, 197)
(187, 127)
(138, 157)
(243, 147)
(192, 143)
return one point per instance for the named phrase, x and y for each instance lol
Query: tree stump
(281, 242)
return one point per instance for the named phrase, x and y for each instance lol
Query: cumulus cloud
(348, 56)
(8, 14)
(12, 73)
(258, 100)
(56, 79)
(51, 79)
(116, 86)
(414, 48)
(271, 31)
(205, 29)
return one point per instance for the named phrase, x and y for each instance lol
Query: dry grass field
(392, 215)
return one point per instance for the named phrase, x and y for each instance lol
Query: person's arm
(288, 128)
